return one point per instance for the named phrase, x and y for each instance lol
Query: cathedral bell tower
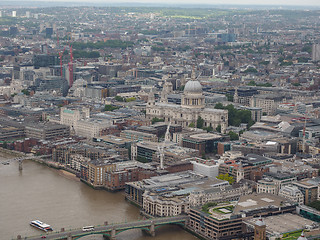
(166, 90)
(151, 99)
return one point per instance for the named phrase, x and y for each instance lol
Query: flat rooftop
(114, 139)
(288, 222)
(161, 183)
(257, 201)
(205, 136)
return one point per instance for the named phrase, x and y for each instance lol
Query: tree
(207, 206)
(209, 129)
(226, 177)
(155, 119)
(251, 83)
(192, 125)
(233, 136)
(25, 92)
(236, 116)
(85, 54)
(315, 204)
(131, 99)
(200, 122)
(181, 88)
(219, 106)
(218, 128)
(5, 145)
(229, 97)
(250, 70)
(119, 99)
(110, 108)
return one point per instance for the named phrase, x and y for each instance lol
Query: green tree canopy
(25, 92)
(236, 116)
(200, 122)
(226, 177)
(233, 136)
(208, 129)
(85, 54)
(131, 99)
(315, 204)
(110, 108)
(155, 119)
(218, 128)
(207, 206)
(119, 99)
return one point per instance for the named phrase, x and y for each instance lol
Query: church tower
(151, 99)
(260, 230)
(240, 173)
(235, 96)
(166, 90)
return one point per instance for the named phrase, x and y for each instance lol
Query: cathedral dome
(193, 87)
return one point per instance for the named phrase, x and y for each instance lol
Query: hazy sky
(224, 2)
(255, 2)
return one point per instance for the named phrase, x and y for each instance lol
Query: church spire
(236, 96)
(151, 98)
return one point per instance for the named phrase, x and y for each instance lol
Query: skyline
(193, 3)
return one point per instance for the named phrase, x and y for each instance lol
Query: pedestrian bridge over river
(112, 230)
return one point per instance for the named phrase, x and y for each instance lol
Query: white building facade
(192, 106)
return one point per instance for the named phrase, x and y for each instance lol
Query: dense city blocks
(202, 119)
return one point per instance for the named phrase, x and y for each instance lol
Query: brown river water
(56, 198)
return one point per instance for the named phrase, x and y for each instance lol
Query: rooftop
(283, 223)
(161, 183)
(258, 201)
(206, 136)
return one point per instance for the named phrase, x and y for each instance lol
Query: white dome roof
(193, 87)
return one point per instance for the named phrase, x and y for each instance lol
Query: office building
(316, 52)
(47, 131)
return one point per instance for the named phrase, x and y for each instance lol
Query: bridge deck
(118, 227)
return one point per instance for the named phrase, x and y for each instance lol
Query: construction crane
(167, 139)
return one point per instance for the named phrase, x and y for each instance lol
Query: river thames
(39, 192)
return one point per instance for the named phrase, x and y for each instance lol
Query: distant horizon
(193, 2)
(295, 4)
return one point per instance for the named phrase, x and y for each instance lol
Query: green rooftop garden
(292, 235)
(219, 211)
